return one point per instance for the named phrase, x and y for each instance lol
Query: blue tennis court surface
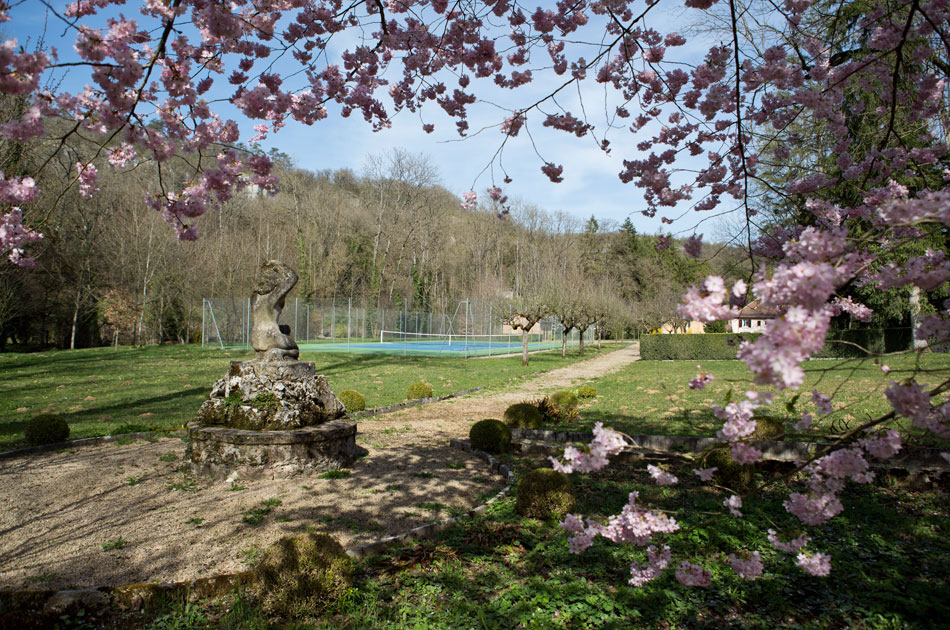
(457, 347)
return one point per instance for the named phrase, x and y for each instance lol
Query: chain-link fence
(344, 325)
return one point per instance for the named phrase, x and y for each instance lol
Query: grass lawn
(101, 391)
(653, 397)
(889, 551)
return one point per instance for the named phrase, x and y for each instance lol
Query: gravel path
(122, 513)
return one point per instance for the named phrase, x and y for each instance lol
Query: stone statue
(271, 340)
(272, 415)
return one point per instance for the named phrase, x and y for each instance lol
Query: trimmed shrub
(491, 436)
(586, 392)
(692, 347)
(419, 390)
(731, 474)
(47, 428)
(565, 404)
(544, 493)
(768, 428)
(523, 416)
(302, 575)
(546, 409)
(352, 400)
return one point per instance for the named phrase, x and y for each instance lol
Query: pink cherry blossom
(690, 574)
(734, 503)
(662, 477)
(817, 564)
(705, 474)
(748, 568)
(789, 546)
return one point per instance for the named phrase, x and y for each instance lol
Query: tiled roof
(755, 309)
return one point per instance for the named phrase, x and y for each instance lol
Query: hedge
(692, 347)
(725, 345)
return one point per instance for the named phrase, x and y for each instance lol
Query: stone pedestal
(219, 452)
(270, 418)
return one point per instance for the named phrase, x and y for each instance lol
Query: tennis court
(391, 342)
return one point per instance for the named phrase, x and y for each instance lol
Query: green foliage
(491, 436)
(352, 400)
(546, 409)
(718, 326)
(545, 493)
(768, 428)
(47, 428)
(334, 474)
(564, 404)
(419, 390)
(586, 392)
(523, 415)
(730, 473)
(265, 401)
(692, 347)
(854, 342)
(118, 543)
(255, 516)
(303, 575)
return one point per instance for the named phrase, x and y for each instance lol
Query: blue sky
(590, 187)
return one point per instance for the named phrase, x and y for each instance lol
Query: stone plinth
(270, 418)
(220, 451)
(270, 396)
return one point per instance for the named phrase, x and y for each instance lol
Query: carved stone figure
(271, 340)
(273, 415)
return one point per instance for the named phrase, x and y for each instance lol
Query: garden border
(910, 458)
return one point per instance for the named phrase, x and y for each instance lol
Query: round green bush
(47, 428)
(352, 400)
(564, 403)
(523, 416)
(302, 575)
(731, 474)
(491, 436)
(544, 493)
(586, 392)
(768, 428)
(419, 390)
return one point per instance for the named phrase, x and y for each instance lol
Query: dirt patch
(158, 524)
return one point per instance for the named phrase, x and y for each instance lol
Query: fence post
(203, 300)
(489, 328)
(349, 313)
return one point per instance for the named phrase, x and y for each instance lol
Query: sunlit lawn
(102, 391)
(653, 397)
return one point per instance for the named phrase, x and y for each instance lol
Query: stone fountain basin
(219, 452)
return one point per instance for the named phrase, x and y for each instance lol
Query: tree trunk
(564, 343)
(72, 336)
(580, 339)
(524, 346)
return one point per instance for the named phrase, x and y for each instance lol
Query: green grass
(101, 391)
(890, 553)
(653, 397)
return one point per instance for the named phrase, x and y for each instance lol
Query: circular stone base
(217, 452)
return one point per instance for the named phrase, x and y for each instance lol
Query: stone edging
(91, 441)
(135, 596)
(911, 458)
(376, 411)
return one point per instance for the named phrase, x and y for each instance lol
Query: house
(752, 318)
(691, 328)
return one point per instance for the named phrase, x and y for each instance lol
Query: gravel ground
(120, 514)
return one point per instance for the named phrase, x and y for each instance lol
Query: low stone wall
(910, 458)
(217, 452)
